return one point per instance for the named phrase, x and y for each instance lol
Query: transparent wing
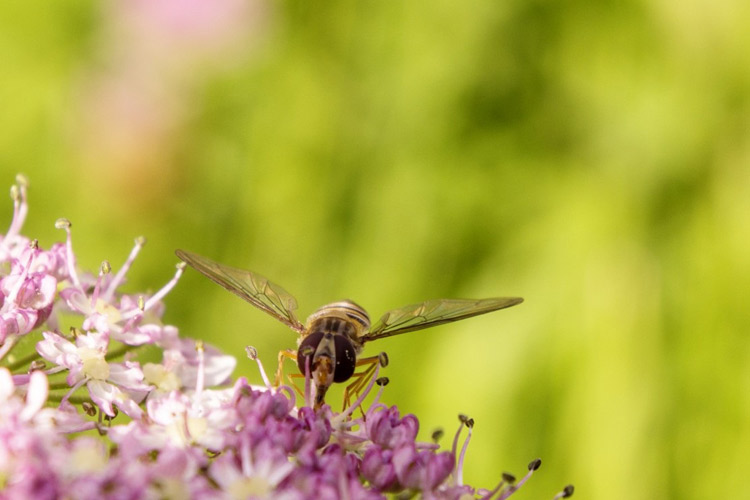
(432, 313)
(249, 286)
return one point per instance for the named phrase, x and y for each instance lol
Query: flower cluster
(180, 428)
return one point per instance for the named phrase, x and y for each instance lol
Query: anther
(437, 434)
(106, 267)
(382, 381)
(34, 244)
(36, 365)
(251, 352)
(568, 491)
(535, 464)
(22, 180)
(141, 303)
(181, 266)
(467, 421)
(509, 478)
(62, 223)
(140, 241)
(89, 408)
(15, 193)
(383, 359)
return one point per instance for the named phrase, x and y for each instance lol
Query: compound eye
(306, 351)
(346, 359)
(342, 349)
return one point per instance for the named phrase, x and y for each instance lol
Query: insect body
(332, 338)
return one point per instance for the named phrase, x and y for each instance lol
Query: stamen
(104, 269)
(37, 364)
(155, 298)
(252, 353)
(533, 466)
(201, 378)
(345, 414)
(20, 207)
(382, 382)
(73, 389)
(70, 258)
(186, 426)
(460, 464)
(567, 492)
(462, 418)
(506, 478)
(290, 392)
(117, 280)
(13, 295)
(23, 182)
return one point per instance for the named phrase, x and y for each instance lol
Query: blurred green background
(592, 157)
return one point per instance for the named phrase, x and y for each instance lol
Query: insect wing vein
(251, 287)
(432, 313)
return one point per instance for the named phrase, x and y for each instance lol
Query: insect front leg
(283, 355)
(362, 378)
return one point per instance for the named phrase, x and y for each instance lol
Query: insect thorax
(340, 318)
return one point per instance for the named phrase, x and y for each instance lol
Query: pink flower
(118, 384)
(185, 438)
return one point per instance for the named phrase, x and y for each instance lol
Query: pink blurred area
(134, 108)
(187, 30)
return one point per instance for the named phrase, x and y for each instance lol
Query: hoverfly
(333, 336)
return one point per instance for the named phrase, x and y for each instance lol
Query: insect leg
(283, 355)
(362, 378)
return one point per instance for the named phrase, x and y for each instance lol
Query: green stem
(119, 352)
(24, 361)
(58, 385)
(73, 399)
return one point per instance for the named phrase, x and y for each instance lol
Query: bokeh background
(592, 157)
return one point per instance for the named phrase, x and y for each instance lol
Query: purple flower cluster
(179, 428)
